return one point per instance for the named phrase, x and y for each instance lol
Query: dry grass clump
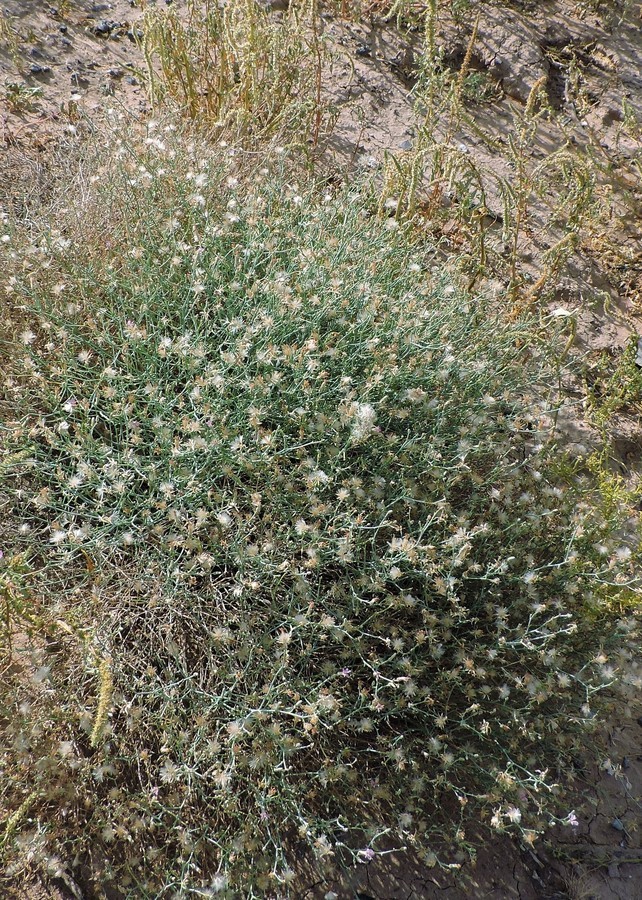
(238, 67)
(290, 566)
(439, 182)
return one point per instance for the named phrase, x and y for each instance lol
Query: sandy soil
(83, 58)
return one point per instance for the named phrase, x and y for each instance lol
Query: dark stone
(107, 28)
(102, 29)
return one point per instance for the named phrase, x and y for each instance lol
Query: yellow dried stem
(15, 818)
(534, 94)
(104, 700)
(465, 66)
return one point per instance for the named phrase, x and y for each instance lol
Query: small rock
(405, 145)
(116, 73)
(363, 50)
(131, 79)
(102, 29)
(63, 29)
(640, 719)
(626, 763)
(614, 871)
(638, 362)
(36, 69)
(617, 824)
(108, 28)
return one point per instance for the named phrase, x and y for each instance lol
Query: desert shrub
(238, 66)
(292, 566)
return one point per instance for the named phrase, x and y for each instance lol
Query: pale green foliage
(274, 467)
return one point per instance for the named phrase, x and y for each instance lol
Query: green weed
(21, 97)
(613, 388)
